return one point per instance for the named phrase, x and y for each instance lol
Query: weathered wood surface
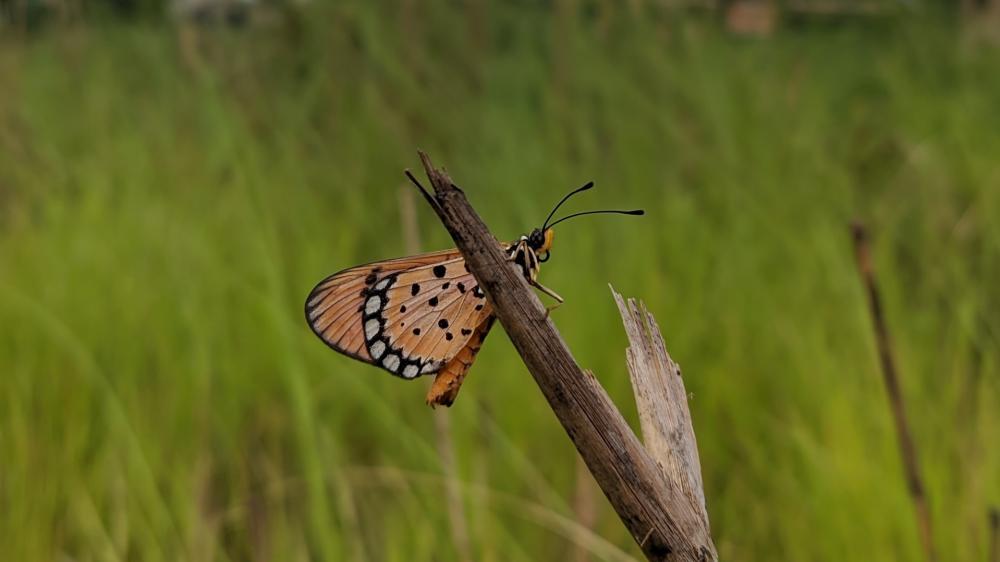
(662, 403)
(658, 515)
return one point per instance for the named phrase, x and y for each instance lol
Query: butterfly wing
(409, 316)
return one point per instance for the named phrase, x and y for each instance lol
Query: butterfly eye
(543, 257)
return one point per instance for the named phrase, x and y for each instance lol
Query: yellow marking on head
(549, 233)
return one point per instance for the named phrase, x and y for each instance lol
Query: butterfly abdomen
(449, 380)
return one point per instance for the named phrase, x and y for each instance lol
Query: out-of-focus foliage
(168, 196)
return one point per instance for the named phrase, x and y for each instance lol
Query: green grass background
(165, 207)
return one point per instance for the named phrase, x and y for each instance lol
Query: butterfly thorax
(525, 252)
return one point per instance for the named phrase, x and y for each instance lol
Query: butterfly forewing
(410, 316)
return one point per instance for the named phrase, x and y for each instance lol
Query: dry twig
(659, 516)
(907, 447)
(994, 517)
(661, 401)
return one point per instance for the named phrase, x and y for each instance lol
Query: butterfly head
(540, 239)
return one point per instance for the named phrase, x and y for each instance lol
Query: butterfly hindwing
(410, 316)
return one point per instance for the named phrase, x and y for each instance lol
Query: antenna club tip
(587, 186)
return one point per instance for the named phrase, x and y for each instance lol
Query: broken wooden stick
(662, 403)
(658, 515)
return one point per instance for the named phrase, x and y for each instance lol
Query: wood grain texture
(658, 515)
(661, 400)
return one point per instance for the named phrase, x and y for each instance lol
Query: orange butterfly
(422, 314)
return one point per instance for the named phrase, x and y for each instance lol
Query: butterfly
(423, 314)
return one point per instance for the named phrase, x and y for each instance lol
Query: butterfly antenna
(589, 185)
(635, 212)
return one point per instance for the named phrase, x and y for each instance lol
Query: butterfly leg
(549, 292)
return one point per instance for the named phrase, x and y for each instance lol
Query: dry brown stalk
(659, 516)
(994, 517)
(907, 447)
